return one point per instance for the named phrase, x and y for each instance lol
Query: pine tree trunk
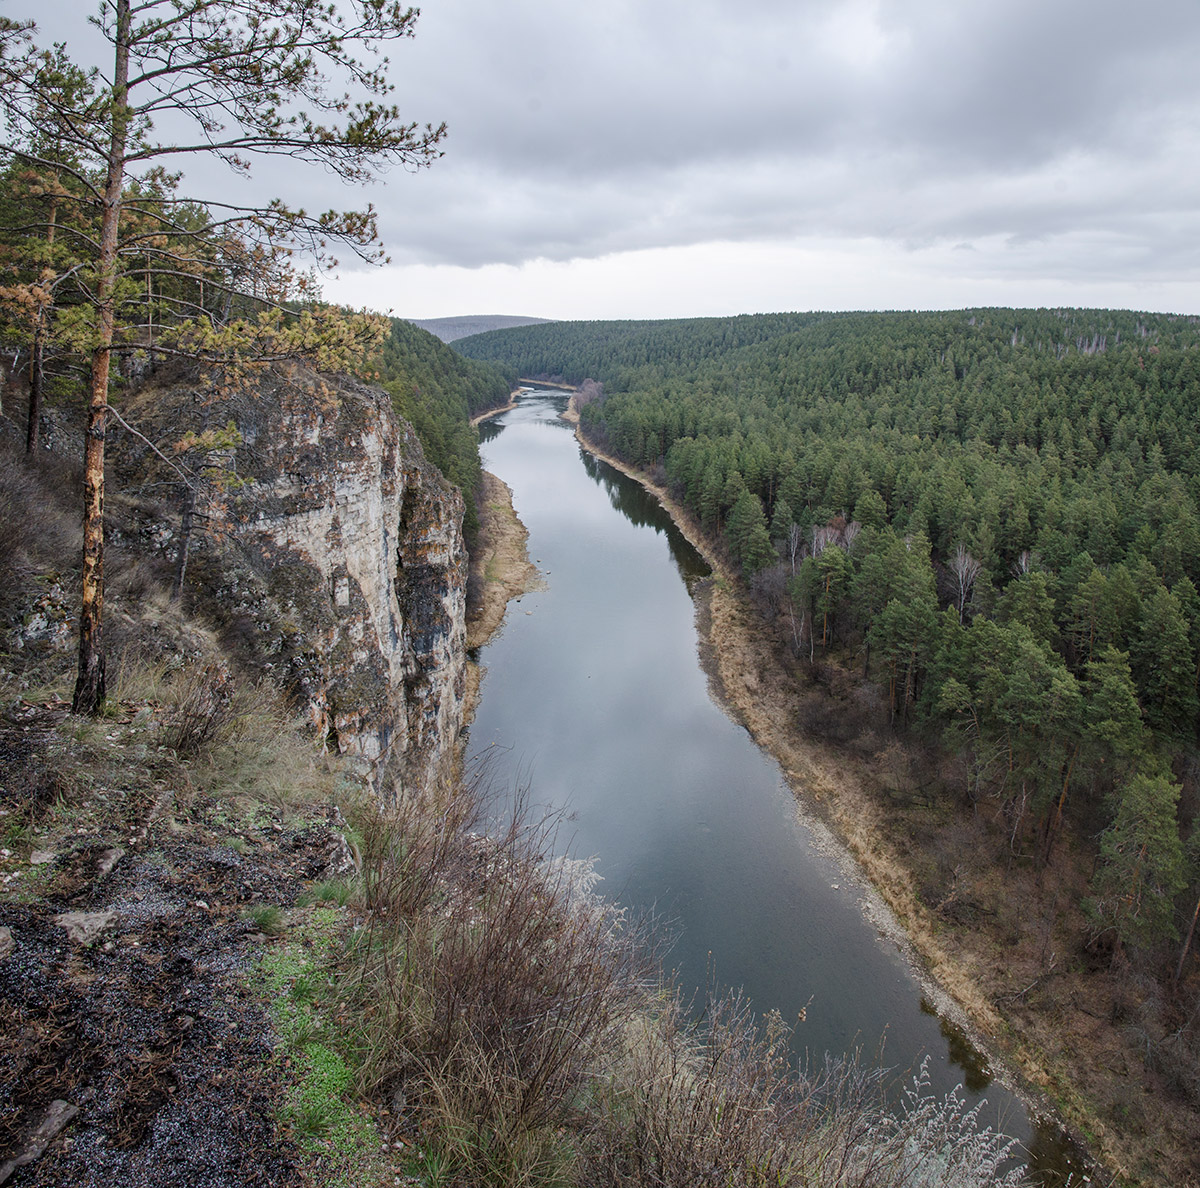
(89, 685)
(1056, 820)
(37, 353)
(35, 384)
(1187, 944)
(185, 543)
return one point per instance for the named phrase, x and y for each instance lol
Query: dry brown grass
(719, 1105)
(490, 980)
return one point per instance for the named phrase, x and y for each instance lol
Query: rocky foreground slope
(152, 861)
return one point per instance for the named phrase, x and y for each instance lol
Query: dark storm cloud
(583, 129)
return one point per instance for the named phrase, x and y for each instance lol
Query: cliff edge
(328, 550)
(173, 874)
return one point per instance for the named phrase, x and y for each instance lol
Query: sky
(678, 158)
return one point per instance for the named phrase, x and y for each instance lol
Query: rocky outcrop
(332, 552)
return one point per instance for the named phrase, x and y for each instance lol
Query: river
(595, 698)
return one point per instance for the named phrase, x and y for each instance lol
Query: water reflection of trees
(637, 505)
(489, 429)
(961, 1050)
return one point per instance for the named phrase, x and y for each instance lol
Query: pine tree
(1165, 666)
(246, 74)
(746, 532)
(1141, 859)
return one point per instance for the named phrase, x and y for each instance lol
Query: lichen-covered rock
(334, 551)
(47, 622)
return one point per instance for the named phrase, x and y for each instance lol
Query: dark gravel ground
(149, 1028)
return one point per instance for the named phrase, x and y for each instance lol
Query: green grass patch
(299, 980)
(268, 919)
(332, 891)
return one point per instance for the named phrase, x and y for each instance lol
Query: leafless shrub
(682, 1108)
(720, 1106)
(768, 588)
(870, 708)
(587, 392)
(413, 851)
(253, 748)
(1164, 1029)
(490, 976)
(201, 709)
(931, 1142)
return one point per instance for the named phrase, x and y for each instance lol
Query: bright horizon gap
(728, 279)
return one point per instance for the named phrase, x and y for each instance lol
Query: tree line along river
(595, 698)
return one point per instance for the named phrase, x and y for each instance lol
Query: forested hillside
(994, 512)
(439, 392)
(448, 329)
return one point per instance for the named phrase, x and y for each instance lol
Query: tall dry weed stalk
(682, 1106)
(203, 709)
(718, 1104)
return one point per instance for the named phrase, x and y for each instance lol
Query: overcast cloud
(676, 157)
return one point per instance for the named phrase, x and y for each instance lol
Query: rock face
(336, 556)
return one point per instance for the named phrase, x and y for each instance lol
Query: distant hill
(448, 329)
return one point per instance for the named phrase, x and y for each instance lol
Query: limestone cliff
(332, 552)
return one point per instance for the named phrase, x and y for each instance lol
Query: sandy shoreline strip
(500, 562)
(487, 414)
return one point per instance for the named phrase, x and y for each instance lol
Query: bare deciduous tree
(823, 535)
(795, 545)
(588, 391)
(965, 570)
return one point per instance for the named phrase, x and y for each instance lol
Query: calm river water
(594, 696)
